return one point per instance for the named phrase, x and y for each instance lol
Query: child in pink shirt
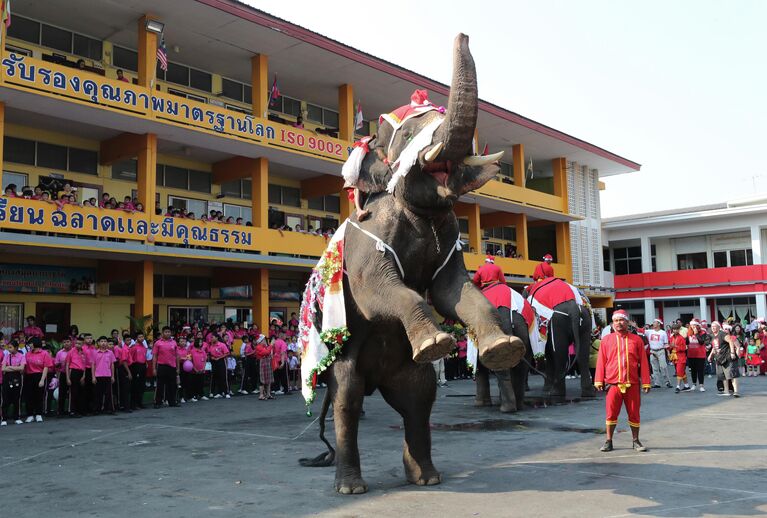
(38, 363)
(198, 355)
(103, 375)
(59, 363)
(12, 371)
(76, 365)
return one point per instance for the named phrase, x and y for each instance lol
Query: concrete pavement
(238, 457)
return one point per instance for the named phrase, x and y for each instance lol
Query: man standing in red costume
(489, 273)
(621, 364)
(544, 269)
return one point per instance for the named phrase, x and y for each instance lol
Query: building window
(24, 29)
(627, 260)
(179, 316)
(282, 195)
(238, 188)
(175, 286)
(652, 258)
(185, 76)
(720, 259)
(200, 80)
(236, 90)
(724, 258)
(693, 261)
(83, 161)
(238, 211)
(290, 106)
(326, 117)
(606, 259)
(11, 318)
(199, 287)
(507, 173)
(19, 151)
(122, 288)
(42, 154)
(181, 178)
(463, 225)
(125, 170)
(56, 38)
(18, 179)
(125, 58)
(330, 203)
(87, 47)
(198, 207)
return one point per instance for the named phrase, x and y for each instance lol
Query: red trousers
(616, 399)
(681, 367)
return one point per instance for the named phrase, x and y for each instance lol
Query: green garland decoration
(334, 338)
(330, 266)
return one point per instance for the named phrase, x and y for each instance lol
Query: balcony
(690, 283)
(26, 74)
(111, 230)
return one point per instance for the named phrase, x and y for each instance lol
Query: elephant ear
(374, 172)
(474, 177)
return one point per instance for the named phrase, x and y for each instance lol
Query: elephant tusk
(477, 160)
(431, 154)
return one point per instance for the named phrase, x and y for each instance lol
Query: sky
(677, 86)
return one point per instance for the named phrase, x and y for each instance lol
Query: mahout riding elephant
(569, 322)
(408, 246)
(516, 316)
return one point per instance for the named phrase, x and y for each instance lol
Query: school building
(203, 135)
(698, 262)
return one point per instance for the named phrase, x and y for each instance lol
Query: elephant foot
(508, 408)
(434, 348)
(425, 477)
(504, 352)
(483, 402)
(351, 486)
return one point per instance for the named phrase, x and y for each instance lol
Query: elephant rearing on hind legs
(393, 335)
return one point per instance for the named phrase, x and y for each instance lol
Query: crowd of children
(84, 375)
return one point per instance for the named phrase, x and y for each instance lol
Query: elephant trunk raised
(457, 132)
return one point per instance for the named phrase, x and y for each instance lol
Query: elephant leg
(483, 387)
(394, 300)
(560, 343)
(518, 384)
(549, 369)
(348, 394)
(411, 393)
(508, 399)
(454, 296)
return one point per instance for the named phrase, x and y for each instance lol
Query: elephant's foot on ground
(502, 353)
(508, 408)
(483, 402)
(423, 477)
(433, 348)
(353, 485)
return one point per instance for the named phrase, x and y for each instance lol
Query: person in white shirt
(658, 341)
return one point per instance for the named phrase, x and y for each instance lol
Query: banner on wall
(16, 278)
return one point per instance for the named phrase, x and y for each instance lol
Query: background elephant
(511, 382)
(570, 323)
(393, 335)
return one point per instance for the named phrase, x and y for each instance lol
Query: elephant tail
(327, 458)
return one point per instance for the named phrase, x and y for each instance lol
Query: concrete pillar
(260, 306)
(520, 227)
(146, 183)
(649, 311)
(346, 112)
(703, 308)
(646, 254)
(144, 298)
(259, 177)
(761, 305)
(756, 244)
(518, 155)
(259, 71)
(147, 60)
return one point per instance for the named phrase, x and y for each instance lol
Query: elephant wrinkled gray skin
(511, 382)
(393, 333)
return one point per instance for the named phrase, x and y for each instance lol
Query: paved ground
(238, 457)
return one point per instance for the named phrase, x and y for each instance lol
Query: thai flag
(162, 55)
(274, 93)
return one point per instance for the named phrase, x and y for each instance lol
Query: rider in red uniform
(488, 273)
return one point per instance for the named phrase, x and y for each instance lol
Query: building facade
(84, 102)
(703, 262)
